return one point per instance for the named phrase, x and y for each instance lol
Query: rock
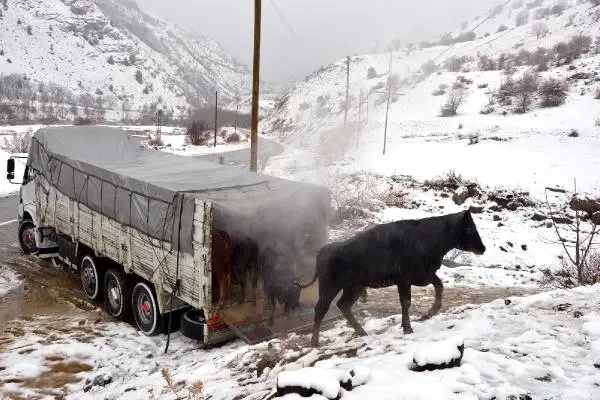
(597, 365)
(578, 314)
(494, 208)
(524, 247)
(98, 380)
(548, 224)
(500, 224)
(561, 307)
(562, 220)
(503, 249)
(538, 217)
(460, 195)
(512, 205)
(507, 302)
(510, 244)
(441, 355)
(496, 217)
(476, 209)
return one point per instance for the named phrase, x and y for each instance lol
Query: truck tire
(145, 309)
(192, 324)
(91, 279)
(27, 237)
(117, 294)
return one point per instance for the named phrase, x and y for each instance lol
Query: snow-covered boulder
(322, 381)
(439, 355)
(309, 381)
(460, 195)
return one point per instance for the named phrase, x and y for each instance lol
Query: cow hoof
(408, 331)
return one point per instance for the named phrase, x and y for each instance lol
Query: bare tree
(581, 263)
(455, 99)
(539, 29)
(196, 133)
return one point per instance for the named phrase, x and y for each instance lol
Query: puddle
(385, 302)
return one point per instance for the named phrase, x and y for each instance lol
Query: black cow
(401, 253)
(277, 267)
(245, 264)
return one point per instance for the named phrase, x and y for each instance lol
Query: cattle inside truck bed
(138, 223)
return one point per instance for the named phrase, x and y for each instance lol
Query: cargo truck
(136, 226)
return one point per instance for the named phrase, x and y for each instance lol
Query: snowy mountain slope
(314, 110)
(111, 48)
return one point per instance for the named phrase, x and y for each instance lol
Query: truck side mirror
(10, 165)
(10, 168)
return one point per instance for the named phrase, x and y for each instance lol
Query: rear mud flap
(250, 322)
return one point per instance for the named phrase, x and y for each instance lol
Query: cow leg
(224, 289)
(405, 297)
(349, 297)
(326, 296)
(437, 303)
(271, 301)
(363, 295)
(254, 277)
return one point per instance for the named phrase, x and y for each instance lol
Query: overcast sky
(322, 30)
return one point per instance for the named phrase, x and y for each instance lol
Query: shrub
(595, 2)
(517, 4)
(18, 142)
(371, 73)
(111, 60)
(574, 133)
(486, 63)
(506, 91)
(139, 77)
(82, 121)
(234, 138)
(29, 31)
(455, 64)
(525, 89)
(539, 29)
(534, 4)
(559, 8)
(553, 92)
(455, 98)
(196, 133)
(429, 67)
(542, 13)
(438, 92)
(522, 18)
(502, 28)
(579, 45)
(597, 93)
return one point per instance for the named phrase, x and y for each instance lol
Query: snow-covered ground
(545, 345)
(8, 280)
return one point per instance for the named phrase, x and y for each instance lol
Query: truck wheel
(145, 310)
(192, 324)
(91, 280)
(27, 237)
(117, 294)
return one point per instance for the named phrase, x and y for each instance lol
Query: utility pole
(216, 115)
(387, 109)
(237, 110)
(360, 98)
(347, 88)
(367, 116)
(255, 88)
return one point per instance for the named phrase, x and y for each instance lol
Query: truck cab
(31, 239)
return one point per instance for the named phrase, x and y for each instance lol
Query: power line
(472, 30)
(285, 22)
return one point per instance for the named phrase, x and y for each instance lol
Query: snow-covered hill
(110, 49)
(557, 39)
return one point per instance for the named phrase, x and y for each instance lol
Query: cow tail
(318, 263)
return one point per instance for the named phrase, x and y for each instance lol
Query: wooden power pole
(216, 115)
(347, 88)
(387, 109)
(255, 88)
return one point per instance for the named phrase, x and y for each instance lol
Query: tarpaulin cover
(112, 173)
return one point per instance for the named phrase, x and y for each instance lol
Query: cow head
(292, 295)
(468, 237)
